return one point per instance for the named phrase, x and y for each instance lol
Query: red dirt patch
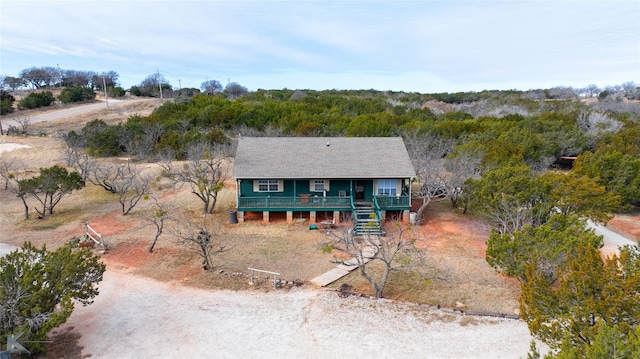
(128, 255)
(112, 224)
(441, 228)
(626, 224)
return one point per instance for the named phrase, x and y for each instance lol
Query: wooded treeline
(499, 127)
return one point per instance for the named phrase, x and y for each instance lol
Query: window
(268, 186)
(318, 185)
(386, 187)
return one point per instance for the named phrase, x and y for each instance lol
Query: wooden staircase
(366, 220)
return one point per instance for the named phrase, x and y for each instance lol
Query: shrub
(6, 102)
(76, 94)
(36, 99)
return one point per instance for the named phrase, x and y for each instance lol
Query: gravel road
(67, 112)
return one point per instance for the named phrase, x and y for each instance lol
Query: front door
(359, 190)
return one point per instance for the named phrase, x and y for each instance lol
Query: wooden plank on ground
(329, 277)
(343, 269)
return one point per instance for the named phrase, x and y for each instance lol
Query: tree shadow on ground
(64, 344)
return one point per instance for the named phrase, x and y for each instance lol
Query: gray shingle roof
(322, 157)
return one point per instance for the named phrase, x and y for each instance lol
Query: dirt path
(612, 240)
(136, 317)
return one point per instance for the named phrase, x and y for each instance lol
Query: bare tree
(427, 154)
(204, 171)
(124, 179)
(202, 238)
(211, 87)
(235, 90)
(76, 156)
(561, 92)
(131, 186)
(72, 78)
(13, 83)
(159, 215)
(460, 167)
(142, 146)
(24, 123)
(591, 90)
(397, 250)
(9, 169)
(595, 125)
(105, 176)
(38, 77)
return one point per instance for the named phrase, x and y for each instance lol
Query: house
(365, 178)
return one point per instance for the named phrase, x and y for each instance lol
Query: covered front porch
(330, 208)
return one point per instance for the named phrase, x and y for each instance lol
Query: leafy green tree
(590, 294)
(545, 246)
(50, 187)
(6, 102)
(38, 289)
(378, 125)
(619, 172)
(610, 342)
(100, 139)
(135, 91)
(512, 196)
(626, 140)
(36, 99)
(581, 195)
(76, 94)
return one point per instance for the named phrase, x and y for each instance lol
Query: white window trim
(312, 185)
(389, 184)
(270, 182)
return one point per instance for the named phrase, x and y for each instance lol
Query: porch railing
(294, 202)
(304, 203)
(393, 201)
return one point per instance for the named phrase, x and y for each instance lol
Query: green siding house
(364, 178)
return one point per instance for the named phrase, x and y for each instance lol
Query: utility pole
(160, 84)
(104, 85)
(59, 76)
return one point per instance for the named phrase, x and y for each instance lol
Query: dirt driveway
(136, 317)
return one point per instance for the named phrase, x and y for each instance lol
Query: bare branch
(159, 214)
(202, 237)
(398, 250)
(206, 169)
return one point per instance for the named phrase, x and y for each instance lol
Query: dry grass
(455, 273)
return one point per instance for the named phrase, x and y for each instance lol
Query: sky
(413, 46)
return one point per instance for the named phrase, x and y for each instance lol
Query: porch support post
(312, 216)
(265, 217)
(289, 216)
(240, 215)
(405, 216)
(383, 216)
(336, 216)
